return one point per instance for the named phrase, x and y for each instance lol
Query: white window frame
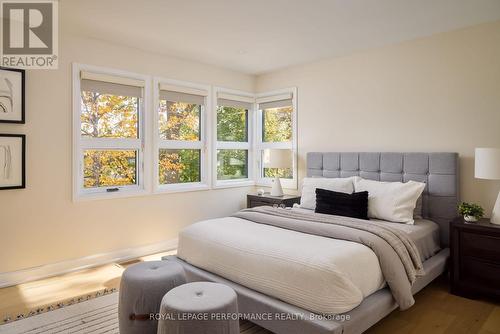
(249, 181)
(141, 145)
(202, 144)
(261, 145)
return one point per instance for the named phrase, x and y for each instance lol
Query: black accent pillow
(353, 205)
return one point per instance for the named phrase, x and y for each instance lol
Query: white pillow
(309, 185)
(391, 201)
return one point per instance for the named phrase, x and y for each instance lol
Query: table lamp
(487, 166)
(277, 158)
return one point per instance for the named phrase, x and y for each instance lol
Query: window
(232, 164)
(250, 139)
(109, 135)
(181, 136)
(276, 122)
(232, 132)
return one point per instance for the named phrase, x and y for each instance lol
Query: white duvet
(319, 274)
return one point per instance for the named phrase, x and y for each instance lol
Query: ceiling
(258, 36)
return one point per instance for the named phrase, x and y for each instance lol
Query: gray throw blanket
(398, 256)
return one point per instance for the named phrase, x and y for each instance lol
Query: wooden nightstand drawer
(255, 203)
(480, 246)
(475, 258)
(485, 273)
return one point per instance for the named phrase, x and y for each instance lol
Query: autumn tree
(109, 116)
(179, 121)
(114, 116)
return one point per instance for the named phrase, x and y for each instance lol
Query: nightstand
(254, 200)
(475, 258)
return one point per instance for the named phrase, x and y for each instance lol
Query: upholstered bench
(199, 307)
(142, 288)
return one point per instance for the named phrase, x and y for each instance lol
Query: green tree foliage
(277, 124)
(232, 124)
(284, 173)
(232, 164)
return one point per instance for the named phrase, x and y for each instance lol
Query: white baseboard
(63, 267)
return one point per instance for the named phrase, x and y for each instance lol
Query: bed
(314, 295)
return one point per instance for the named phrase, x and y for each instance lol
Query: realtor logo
(29, 34)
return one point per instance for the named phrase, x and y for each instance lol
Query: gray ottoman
(199, 307)
(142, 288)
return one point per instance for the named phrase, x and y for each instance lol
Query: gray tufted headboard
(438, 170)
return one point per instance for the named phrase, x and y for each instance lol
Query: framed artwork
(12, 161)
(11, 95)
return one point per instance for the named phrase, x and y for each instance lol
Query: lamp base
(495, 216)
(277, 190)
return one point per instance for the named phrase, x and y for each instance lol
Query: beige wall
(440, 93)
(436, 94)
(41, 224)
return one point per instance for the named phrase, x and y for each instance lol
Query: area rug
(96, 316)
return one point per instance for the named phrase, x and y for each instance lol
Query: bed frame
(440, 199)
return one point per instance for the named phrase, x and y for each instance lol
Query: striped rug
(96, 316)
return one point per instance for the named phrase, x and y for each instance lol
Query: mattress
(319, 274)
(424, 232)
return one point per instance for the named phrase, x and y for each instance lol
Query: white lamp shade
(487, 163)
(277, 158)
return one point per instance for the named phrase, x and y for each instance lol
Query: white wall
(440, 93)
(41, 224)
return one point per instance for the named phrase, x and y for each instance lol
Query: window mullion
(180, 144)
(111, 143)
(227, 145)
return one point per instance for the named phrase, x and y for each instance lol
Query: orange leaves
(179, 166)
(110, 116)
(179, 121)
(109, 168)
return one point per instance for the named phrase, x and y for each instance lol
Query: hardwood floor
(436, 311)
(27, 299)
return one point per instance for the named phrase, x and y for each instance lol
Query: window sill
(233, 184)
(180, 187)
(83, 197)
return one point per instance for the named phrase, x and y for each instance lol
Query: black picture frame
(23, 113)
(23, 163)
